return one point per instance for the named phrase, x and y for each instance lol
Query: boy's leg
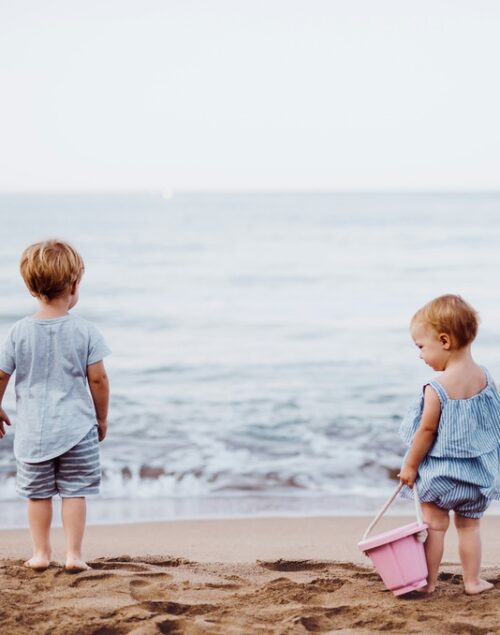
(73, 519)
(73, 488)
(35, 481)
(469, 548)
(40, 518)
(438, 520)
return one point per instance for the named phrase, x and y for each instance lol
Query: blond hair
(452, 315)
(50, 268)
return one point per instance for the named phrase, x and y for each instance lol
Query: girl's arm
(424, 437)
(4, 380)
(99, 389)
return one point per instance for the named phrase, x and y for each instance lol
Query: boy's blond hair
(452, 315)
(50, 268)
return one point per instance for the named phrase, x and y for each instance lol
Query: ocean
(261, 356)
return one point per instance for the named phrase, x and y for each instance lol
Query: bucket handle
(418, 509)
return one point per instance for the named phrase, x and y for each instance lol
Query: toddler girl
(453, 434)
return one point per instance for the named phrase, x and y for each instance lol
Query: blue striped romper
(461, 469)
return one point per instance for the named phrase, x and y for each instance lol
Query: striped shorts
(75, 473)
(465, 499)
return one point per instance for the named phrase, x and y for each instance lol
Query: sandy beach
(235, 576)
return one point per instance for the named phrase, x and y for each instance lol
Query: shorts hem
(36, 496)
(82, 494)
(44, 496)
(474, 515)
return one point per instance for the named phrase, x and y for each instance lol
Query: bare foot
(427, 589)
(38, 563)
(478, 587)
(75, 565)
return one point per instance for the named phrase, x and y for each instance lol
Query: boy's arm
(424, 437)
(4, 380)
(99, 389)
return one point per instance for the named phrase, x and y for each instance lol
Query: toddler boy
(59, 424)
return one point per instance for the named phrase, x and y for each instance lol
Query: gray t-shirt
(54, 407)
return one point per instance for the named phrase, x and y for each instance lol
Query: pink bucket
(398, 554)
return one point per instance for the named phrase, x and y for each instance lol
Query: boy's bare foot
(38, 563)
(477, 587)
(75, 565)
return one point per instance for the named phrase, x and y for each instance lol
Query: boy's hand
(102, 428)
(408, 475)
(3, 419)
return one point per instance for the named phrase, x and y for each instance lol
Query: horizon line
(170, 192)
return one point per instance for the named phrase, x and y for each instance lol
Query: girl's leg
(438, 520)
(40, 518)
(469, 548)
(73, 519)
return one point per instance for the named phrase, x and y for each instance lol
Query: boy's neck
(58, 307)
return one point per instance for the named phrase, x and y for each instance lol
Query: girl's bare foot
(427, 589)
(75, 565)
(477, 587)
(38, 562)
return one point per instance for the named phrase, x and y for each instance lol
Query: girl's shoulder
(486, 385)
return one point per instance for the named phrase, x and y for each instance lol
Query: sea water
(261, 356)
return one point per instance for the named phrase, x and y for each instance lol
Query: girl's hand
(408, 475)
(3, 419)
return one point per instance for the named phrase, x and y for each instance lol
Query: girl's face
(434, 347)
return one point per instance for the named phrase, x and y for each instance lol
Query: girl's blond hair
(452, 315)
(49, 268)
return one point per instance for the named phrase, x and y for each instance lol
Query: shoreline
(102, 511)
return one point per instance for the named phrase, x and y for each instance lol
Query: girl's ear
(445, 341)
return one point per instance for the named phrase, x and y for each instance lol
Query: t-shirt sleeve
(8, 355)
(98, 349)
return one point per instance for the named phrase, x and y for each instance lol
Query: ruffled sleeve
(411, 420)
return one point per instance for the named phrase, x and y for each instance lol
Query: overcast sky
(249, 94)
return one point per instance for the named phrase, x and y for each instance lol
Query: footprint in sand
(322, 621)
(224, 586)
(282, 591)
(144, 588)
(181, 627)
(148, 622)
(176, 608)
(117, 564)
(293, 565)
(90, 580)
(171, 627)
(315, 624)
(366, 575)
(107, 630)
(453, 578)
(166, 561)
